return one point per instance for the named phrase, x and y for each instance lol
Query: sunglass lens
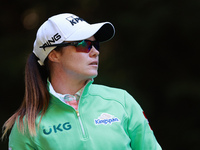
(89, 45)
(96, 45)
(82, 47)
(85, 46)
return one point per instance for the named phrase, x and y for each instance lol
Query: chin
(93, 75)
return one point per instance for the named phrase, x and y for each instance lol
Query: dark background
(154, 56)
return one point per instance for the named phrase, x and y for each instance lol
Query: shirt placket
(71, 100)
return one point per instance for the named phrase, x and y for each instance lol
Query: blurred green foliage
(154, 56)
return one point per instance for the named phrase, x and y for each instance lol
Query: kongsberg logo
(106, 119)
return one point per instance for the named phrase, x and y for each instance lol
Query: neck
(66, 85)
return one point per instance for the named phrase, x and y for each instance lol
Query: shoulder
(106, 91)
(111, 93)
(104, 87)
(18, 136)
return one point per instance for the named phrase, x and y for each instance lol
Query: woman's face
(79, 65)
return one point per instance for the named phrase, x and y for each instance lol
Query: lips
(94, 63)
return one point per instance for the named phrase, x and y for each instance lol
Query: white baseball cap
(68, 27)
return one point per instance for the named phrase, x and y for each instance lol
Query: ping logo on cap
(74, 20)
(53, 39)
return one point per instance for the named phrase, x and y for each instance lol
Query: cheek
(73, 61)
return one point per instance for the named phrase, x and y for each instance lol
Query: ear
(54, 56)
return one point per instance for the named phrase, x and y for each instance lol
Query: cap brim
(102, 32)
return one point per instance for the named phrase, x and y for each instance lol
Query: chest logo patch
(105, 119)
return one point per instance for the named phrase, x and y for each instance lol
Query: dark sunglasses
(81, 46)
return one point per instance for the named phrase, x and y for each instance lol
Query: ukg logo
(106, 119)
(57, 128)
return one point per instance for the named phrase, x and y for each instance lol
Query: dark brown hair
(36, 98)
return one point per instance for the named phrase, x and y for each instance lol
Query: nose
(93, 52)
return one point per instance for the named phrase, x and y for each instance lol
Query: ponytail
(36, 98)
